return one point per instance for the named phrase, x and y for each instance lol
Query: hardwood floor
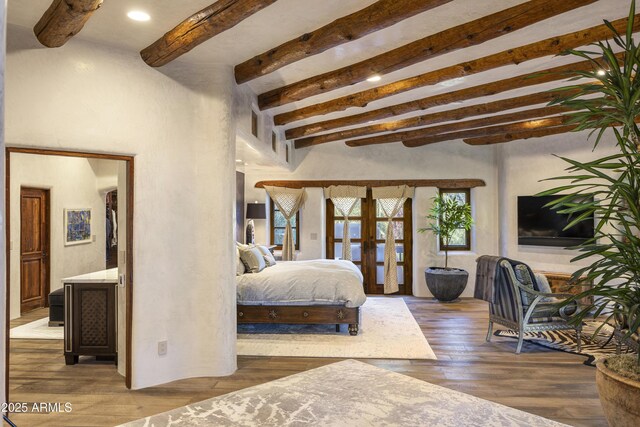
(549, 383)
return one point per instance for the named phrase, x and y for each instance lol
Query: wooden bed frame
(301, 314)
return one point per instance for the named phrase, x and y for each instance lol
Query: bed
(305, 292)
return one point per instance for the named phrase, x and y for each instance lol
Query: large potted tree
(447, 216)
(608, 189)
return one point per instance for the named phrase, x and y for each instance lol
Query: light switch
(313, 236)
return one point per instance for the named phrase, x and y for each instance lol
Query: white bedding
(315, 282)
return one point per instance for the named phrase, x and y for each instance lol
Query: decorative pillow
(252, 259)
(523, 276)
(240, 268)
(544, 287)
(268, 256)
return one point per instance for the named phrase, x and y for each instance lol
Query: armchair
(519, 305)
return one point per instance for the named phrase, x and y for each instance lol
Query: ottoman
(56, 307)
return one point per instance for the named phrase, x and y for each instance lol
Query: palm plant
(448, 215)
(608, 188)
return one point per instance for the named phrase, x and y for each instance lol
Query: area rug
(594, 347)
(37, 330)
(347, 393)
(388, 330)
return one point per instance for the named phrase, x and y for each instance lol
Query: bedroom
(96, 94)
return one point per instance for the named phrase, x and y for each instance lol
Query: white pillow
(268, 256)
(240, 268)
(253, 260)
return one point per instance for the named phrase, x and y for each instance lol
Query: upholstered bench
(56, 307)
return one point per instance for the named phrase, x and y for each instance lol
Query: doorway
(111, 229)
(368, 229)
(65, 241)
(34, 249)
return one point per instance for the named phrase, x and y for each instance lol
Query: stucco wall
(72, 184)
(180, 125)
(523, 167)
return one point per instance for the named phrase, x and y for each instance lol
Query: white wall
(3, 275)
(72, 184)
(180, 125)
(441, 161)
(523, 165)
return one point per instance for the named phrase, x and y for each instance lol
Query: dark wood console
(90, 327)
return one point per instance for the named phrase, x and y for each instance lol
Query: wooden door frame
(47, 246)
(129, 244)
(368, 245)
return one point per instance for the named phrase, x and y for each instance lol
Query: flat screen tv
(541, 226)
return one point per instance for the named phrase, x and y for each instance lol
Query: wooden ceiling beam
(379, 15)
(433, 131)
(514, 136)
(490, 130)
(200, 27)
(434, 118)
(63, 20)
(438, 183)
(540, 49)
(462, 36)
(522, 81)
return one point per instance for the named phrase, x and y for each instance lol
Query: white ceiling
(288, 19)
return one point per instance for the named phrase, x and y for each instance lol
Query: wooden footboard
(301, 314)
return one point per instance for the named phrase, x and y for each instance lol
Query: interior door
(368, 233)
(34, 249)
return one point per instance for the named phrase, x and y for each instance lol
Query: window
(254, 123)
(278, 224)
(274, 142)
(461, 240)
(286, 156)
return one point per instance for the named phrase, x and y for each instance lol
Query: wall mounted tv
(542, 226)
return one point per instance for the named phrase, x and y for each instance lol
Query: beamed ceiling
(450, 69)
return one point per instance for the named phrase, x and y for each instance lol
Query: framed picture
(77, 226)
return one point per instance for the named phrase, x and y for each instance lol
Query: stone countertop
(103, 276)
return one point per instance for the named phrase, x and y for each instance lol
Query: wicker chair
(521, 307)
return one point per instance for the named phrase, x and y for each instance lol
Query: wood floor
(552, 384)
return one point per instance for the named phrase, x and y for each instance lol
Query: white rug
(38, 330)
(347, 393)
(387, 331)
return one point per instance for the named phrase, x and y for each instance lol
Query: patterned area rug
(594, 347)
(388, 330)
(348, 393)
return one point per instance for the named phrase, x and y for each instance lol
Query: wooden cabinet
(559, 283)
(90, 320)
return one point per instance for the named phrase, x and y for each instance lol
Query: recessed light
(138, 15)
(239, 160)
(601, 72)
(246, 164)
(374, 79)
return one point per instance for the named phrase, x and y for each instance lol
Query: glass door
(368, 232)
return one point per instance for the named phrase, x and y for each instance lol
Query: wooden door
(368, 232)
(34, 249)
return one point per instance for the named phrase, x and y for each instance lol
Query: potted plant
(611, 184)
(447, 215)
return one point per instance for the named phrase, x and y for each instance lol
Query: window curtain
(288, 201)
(345, 198)
(390, 200)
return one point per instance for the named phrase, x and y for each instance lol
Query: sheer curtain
(390, 200)
(345, 198)
(288, 201)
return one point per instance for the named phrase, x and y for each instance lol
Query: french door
(368, 230)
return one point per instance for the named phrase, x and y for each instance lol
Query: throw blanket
(489, 274)
(314, 282)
